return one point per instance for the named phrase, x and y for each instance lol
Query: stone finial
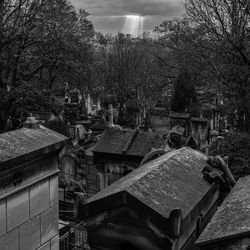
(31, 122)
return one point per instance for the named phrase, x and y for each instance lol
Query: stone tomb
(29, 189)
(164, 204)
(229, 229)
(120, 151)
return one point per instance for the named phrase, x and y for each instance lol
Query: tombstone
(68, 167)
(99, 108)
(88, 104)
(67, 99)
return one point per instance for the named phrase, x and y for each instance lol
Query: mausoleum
(29, 188)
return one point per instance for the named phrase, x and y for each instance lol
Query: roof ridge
(131, 139)
(158, 160)
(136, 174)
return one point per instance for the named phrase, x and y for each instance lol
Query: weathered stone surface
(2, 217)
(25, 144)
(240, 244)
(39, 198)
(53, 186)
(27, 163)
(55, 243)
(30, 234)
(129, 142)
(232, 219)
(9, 241)
(46, 246)
(172, 181)
(35, 171)
(17, 209)
(49, 224)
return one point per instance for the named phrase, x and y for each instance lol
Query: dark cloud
(126, 7)
(108, 15)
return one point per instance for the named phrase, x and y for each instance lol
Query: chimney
(31, 122)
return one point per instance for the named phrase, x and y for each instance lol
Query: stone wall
(29, 213)
(92, 185)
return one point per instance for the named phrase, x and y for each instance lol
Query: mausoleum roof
(127, 142)
(174, 180)
(22, 145)
(232, 219)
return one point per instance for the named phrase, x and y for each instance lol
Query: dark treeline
(210, 45)
(198, 57)
(42, 42)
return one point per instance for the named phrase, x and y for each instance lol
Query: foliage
(212, 43)
(20, 102)
(176, 36)
(180, 63)
(224, 50)
(128, 72)
(43, 41)
(184, 93)
(237, 147)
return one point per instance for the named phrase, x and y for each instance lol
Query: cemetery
(124, 125)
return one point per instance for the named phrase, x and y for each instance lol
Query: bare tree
(225, 28)
(41, 40)
(130, 75)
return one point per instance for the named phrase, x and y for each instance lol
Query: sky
(129, 16)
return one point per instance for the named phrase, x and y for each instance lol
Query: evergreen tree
(184, 93)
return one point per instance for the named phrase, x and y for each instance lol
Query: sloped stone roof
(232, 219)
(24, 144)
(128, 142)
(174, 180)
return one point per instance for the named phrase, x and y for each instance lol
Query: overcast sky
(109, 16)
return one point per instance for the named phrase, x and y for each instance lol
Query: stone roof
(199, 119)
(127, 142)
(232, 219)
(171, 181)
(179, 116)
(22, 145)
